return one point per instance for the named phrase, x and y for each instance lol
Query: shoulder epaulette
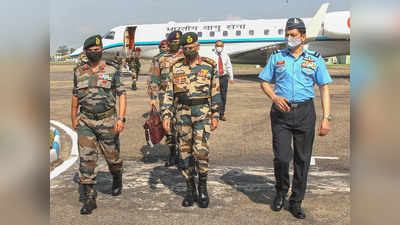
(316, 54)
(275, 51)
(210, 61)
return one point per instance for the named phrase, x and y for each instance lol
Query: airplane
(246, 41)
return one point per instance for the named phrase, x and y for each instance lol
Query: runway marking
(74, 150)
(155, 179)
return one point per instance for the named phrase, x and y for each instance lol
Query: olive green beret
(188, 38)
(93, 41)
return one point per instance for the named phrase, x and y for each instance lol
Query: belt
(182, 98)
(298, 104)
(97, 116)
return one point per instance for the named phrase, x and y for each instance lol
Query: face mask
(94, 56)
(293, 42)
(219, 49)
(173, 46)
(190, 54)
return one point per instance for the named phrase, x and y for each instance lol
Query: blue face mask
(293, 42)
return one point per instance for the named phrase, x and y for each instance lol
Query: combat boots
(134, 86)
(191, 193)
(89, 203)
(117, 184)
(172, 157)
(203, 194)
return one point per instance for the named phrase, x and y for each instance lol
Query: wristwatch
(122, 119)
(328, 116)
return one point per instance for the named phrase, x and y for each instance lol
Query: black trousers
(223, 85)
(299, 125)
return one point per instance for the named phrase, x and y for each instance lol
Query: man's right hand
(75, 124)
(152, 102)
(166, 125)
(281, 103)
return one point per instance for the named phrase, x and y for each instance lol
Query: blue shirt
(295, 78)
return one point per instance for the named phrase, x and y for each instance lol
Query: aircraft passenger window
(266, 32)
(109, 35)
(212, 33)
(251, 32)
(238, 33)
(199, 34)
(225, 33)
(280, 31)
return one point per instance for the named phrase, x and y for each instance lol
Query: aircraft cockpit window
(266, 32)
(280, 31)
(212, 33)
(225, 33)
(199, 34)
(251, 32)
(238, 33)
(110, 35)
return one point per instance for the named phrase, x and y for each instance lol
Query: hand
(324, 127)
(152, 102)
(231, 81)
(166, 125)
(75, 124)
(281, 103)
(214, 124)
(119, 126)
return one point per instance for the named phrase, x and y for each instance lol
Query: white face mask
(219, 49)
(293, 42)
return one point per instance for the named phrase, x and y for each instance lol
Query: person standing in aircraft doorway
(224, 68)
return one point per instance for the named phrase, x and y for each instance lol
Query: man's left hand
(231, 81)
(214, 124)
(324, 127)
(119, 126)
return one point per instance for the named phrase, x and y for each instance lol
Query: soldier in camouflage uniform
(82, 60)
(118, 61)
(95, 92)
(134, 66)
(158, 84)
(193, 91)
(163, 47)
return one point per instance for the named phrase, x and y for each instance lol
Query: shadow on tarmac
(258, 189)
(169, 177)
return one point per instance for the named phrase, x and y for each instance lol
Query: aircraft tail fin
(314, 26)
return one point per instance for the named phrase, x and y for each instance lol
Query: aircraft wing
(260, 55)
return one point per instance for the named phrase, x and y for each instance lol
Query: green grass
(51, 138)
(62, 63)
(338, 66)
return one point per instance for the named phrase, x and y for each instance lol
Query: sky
(71, 22)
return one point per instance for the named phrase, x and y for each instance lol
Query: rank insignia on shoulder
(316, 54)
(275, 51)
(212, 62)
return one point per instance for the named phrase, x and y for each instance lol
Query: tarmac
(241, 177)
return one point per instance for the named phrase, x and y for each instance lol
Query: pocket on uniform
(280, 69)
(308, 71)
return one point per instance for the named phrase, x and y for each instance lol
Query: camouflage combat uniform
(118, 61)
(195, 95)
(81, 61)
(158, 85)
(96, 93)
(134, 67)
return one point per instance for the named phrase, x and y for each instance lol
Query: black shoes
(203, 194)
(117, 184)
(89, 203)
(172, 157)
(134, 87)
(297, 211)
(191, 193)
(279, 202)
